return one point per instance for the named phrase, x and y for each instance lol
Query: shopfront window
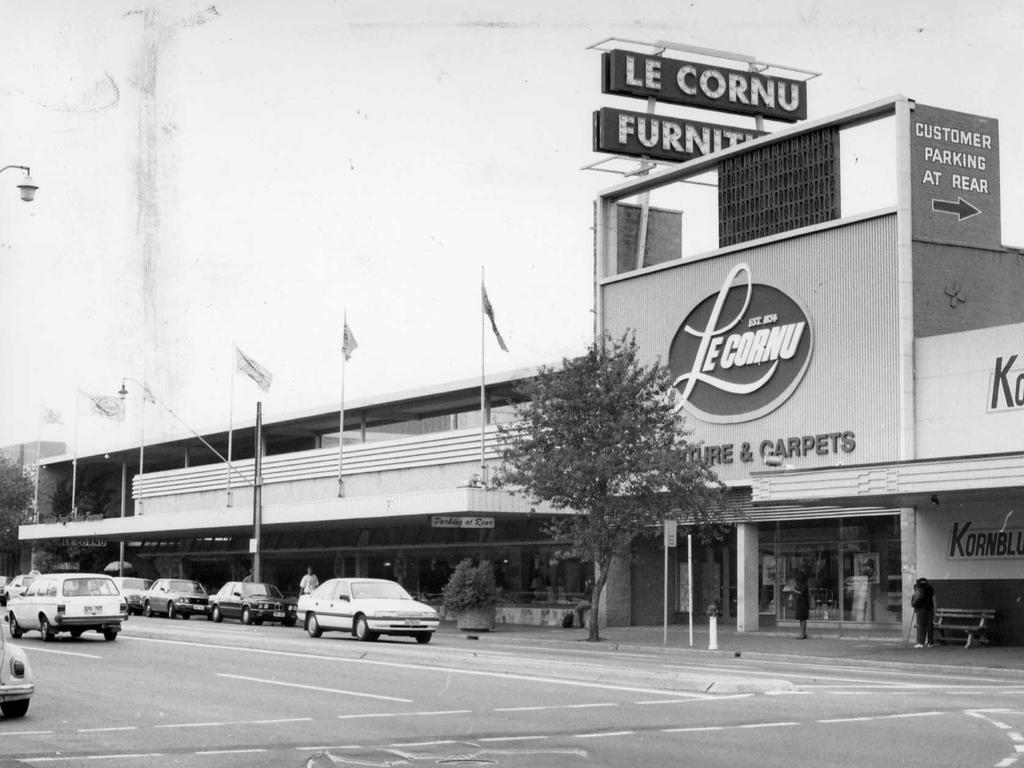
(852, 569)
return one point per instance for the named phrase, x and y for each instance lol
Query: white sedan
(367, 608)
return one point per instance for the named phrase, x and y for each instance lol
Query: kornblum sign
(626, 73)
(741, 352)
(969, 543)
(1006, 385)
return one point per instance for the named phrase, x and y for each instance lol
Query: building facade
(852, 371)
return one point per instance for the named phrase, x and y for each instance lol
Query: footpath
(846, 647)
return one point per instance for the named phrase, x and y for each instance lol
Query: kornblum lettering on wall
(627, 73)
(741, 352)
(1006, 388)
(969, 543)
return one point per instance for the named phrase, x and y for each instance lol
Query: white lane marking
(425, 668)
(515, 738)
(27, 733)
(558, 706)
(112, 728)
(236, 722)
(66, 653)
(694, 729)
(909, 714)
(228, 751)
(444, 712)
(846, 720)
(422, 743)
(602, 735)
(316, 688)
(89, 757)
(321, 748)
(375, 714)
(768, 725)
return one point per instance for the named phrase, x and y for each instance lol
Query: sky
(251, 174)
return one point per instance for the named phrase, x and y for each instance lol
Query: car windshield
(135, 583)
(178, 585)
(89, 588)
(361, 590)
(251, 589)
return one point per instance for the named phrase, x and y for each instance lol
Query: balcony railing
(431, 450)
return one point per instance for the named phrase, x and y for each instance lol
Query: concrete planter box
(479, 619)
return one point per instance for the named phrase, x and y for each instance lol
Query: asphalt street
(177, 693)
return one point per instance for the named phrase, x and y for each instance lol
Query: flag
(106, 405)
(50, 416)
(489, 311)
(252, 369)
(348, 342)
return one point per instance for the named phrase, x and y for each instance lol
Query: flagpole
(231, 418)
(74, 460)
(142, 447)
(483, 412)
(35, 494)
(341, 409)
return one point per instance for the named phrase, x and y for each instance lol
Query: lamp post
(28, 187)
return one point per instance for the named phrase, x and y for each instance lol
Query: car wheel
(171, 613)
(424, 637)
(216, 615)
(44, 629)
(362, 630)
(246, 616)
(289, 622)
(16, 630)
(110, 634)
(147, 610)
(313, 626)
(14, 708)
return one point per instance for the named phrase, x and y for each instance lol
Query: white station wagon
(367, 608)
(68, 602)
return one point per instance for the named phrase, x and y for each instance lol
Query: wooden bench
(973, 623)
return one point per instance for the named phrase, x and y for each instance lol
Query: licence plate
(93, 610)
(411, 622)
(278, 614)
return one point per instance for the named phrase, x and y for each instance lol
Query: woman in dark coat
(802, 604)
(923, 603)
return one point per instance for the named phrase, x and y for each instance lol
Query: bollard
(713, 633)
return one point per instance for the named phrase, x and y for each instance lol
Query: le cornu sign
(627, 73)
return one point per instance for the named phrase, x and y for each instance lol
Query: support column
(908, 564)
(746, 578)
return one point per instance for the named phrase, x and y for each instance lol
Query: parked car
(367, 608)
(133, 589)
(176, 598)
(16, 682)
(16, 586)
(68, 602)
(252, 602)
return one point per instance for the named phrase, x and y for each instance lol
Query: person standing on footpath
(802, 603)
(309, 582)
(923, 603)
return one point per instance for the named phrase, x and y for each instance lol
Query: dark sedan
(252, 602)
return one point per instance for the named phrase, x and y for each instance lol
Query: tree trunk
(600, 577)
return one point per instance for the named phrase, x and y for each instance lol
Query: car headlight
(386, 614)
(17, 667)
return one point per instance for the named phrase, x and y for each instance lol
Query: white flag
(51, 416)
(348, 342)
(108, 406)
(252, 369)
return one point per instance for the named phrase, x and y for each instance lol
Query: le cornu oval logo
(741, 352)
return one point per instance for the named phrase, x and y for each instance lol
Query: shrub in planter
(471, 594)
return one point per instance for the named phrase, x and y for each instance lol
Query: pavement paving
(839, 645)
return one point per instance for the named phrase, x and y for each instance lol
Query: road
(197, 694)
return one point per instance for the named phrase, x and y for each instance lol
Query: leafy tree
(16, 492)
(601, 436)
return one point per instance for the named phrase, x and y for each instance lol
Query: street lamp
(28, 187)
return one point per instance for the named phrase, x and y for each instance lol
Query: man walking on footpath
(309, 581)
